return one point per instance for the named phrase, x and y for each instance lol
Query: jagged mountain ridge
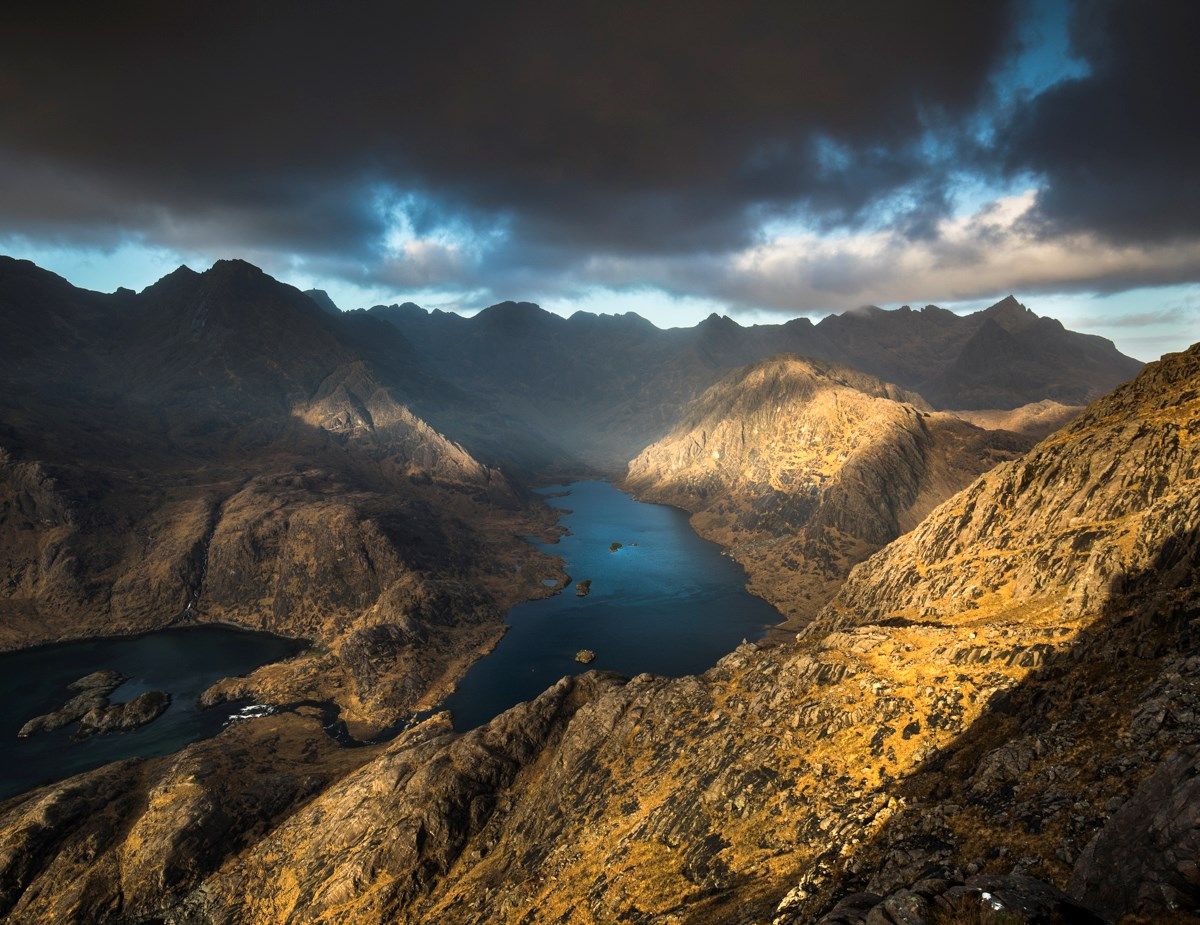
(216, 448)
(884, 757)
(1037, 419)
(605, 386)
(802, 468)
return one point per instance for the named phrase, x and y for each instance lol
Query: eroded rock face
(804, 468)
(1146, 859)
(1013, 898)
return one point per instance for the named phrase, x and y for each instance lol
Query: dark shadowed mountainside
(217, 447)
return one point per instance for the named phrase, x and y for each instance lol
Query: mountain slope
(216, 448)
(803, 468)
(1036, 419)
(1092, 503)
(905, 744)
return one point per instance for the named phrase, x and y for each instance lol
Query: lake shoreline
(179, 661)
(655, 603)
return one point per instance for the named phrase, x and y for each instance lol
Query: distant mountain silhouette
(518, 386)
(599, 388)
(321, 297)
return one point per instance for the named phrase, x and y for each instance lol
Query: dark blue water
(671, 605)
(183, 662)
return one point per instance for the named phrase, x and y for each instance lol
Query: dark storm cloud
(1119, 149)
(546, 146)
(625, 128)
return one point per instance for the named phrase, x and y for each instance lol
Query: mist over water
(667, 602)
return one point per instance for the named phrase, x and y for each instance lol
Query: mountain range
(606, 386)
(216, 448)
(985, 695)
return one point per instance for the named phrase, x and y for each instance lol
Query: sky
(762, 160)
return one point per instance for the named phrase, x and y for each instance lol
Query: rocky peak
(234, 267)
(515, 317)
(622, 321)
(1010, 313)
(720, 320)
(321, 297)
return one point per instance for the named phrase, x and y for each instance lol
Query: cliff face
(216, 448)
(903, 745)
(803, 468)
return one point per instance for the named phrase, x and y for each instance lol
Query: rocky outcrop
(120, 717)
(803, 468)
(92, 697)
(1146, 859)
(1036, 420)
(1014, 898)
(95, 713)
(104, 681)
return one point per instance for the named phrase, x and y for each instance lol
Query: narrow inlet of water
(665, 602)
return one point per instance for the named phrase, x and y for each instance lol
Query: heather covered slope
(214, 448)
(803, 468)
